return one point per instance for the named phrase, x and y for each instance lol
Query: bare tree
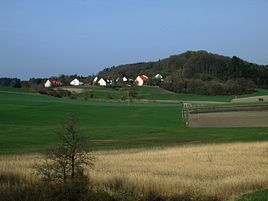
(67, 160)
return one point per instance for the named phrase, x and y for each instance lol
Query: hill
(198, 72)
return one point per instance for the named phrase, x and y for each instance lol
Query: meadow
(152, 93)
(29, 123)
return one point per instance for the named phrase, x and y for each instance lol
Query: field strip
(221, 170)
(19, 93)
(73, 89)
(206, 102)
(229, 119)
(249, 99)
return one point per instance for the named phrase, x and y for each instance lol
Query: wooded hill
(198, 72)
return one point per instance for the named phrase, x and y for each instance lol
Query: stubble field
(218, 170)
(229, 119)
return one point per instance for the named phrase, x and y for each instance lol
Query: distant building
(158, 76)
(52, 83)
(48, 84)
(125, 79)
(102, 82)
(95, 80)
(76, 82)
(141, 79)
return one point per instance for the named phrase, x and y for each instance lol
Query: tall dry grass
(220, 170)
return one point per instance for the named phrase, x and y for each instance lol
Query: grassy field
(256, 196)
(222, 171)
(28, 122)
(156, 93)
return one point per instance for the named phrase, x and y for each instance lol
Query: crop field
(224, 171)
(229, 119)
(29, 122)
(250, 99)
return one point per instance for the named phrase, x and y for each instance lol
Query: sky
(47, 38)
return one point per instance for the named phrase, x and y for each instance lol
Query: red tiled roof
(56, 82)
(144, 77)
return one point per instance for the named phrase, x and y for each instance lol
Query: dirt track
(229, 119)
(73, 89)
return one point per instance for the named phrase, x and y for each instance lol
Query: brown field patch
(249, 99)
(228, 119)
(73, 89)
(222, 170)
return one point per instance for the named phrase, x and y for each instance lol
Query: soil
(229, 119)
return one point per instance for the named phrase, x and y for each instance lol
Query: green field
(256, 196)
(156, 93)
(28, 123)
(151, 93)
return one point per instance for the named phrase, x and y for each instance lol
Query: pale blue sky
(43, 38)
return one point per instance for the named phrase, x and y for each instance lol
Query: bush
(59, 93)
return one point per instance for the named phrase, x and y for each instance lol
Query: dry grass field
(229, 119)
(221, 170)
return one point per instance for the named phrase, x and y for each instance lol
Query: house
(125, 79)
(95, 80)
(76, 82)
(55, 83)
(48, 84)
(158, 76)
(102, 82)
(141, 79)
(52, 83)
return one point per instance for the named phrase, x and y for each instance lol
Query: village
(139, 81)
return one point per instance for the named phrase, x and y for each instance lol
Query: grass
(156, 93)
(256, 196)
(151, 93)
(29, 123)
(259, 92)
(206, 105)
(221, 171)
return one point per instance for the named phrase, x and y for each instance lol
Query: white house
(125, 79)
(102, 82)
(95, 79)
(141, 79)
(48, 84)
(158, 76)
(76, 82)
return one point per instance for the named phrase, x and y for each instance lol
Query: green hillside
(29, 123)
(155, 93)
